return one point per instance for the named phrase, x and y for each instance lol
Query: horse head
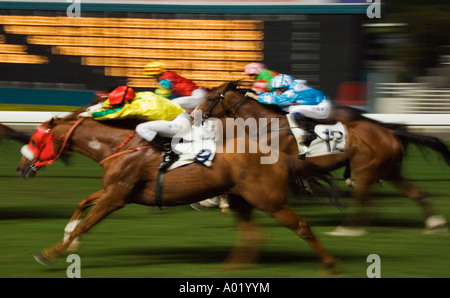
(48, 143)
(229, 101)
(218, 105)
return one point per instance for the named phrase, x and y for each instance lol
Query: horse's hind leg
(78, 214)
(288, 218)
(434, 223)
(247, 248)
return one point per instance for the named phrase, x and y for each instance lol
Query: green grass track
(139, 241)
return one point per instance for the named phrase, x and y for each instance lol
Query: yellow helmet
(153, 68)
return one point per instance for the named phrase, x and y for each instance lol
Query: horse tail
(306, 179)
(422, 142)
(353, 114)
(10, 133)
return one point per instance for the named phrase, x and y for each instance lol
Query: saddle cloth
(331, 139)
(198, 145)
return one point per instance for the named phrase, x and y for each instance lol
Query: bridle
(226, 111)
(40, 150)
(44, 154)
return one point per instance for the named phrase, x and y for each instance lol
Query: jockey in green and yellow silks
(163, 116)
(146, 105)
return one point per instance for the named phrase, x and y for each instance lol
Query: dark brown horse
(374, 150)
(130, 176)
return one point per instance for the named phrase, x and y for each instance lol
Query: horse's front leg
(112, 199)
(77, 216)
(299, 226)
(248, 246)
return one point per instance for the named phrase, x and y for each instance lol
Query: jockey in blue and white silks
(300, 101)
(294, 96)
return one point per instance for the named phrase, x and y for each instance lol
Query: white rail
(412, 98)
(25, 118)
(417, 122)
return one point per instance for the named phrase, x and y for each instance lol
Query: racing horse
(130, 175)
(374, 152)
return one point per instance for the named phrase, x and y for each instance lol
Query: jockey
(179, 89)
(164, 117)
(296, 98)
(260, 75)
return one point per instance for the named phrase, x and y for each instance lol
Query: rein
(117, 153)
(63, 148)
(65, 139)
(237, 105)
(226, 111)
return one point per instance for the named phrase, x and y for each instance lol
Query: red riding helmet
(121, 94)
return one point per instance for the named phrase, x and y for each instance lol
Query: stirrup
(168, 159)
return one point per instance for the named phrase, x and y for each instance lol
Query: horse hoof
(347, 232)
(39, 257)
(436, 224)
(330, 269)
(349, 182)
(74, 246)
(436, 231)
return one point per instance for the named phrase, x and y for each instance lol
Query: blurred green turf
(139, 241)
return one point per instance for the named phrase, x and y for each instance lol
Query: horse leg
(356, 223)
(106, 204)
(77, 215)
(288, 218)
(248, 245)
(348, 175)
(434, 223)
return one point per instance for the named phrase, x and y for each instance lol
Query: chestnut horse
(374, 150)
(130, 176)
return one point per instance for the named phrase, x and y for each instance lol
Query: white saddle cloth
(331, 138)
(198, 145)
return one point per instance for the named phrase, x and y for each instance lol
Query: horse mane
(233, 85)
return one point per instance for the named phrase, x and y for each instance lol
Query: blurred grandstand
(41, 48)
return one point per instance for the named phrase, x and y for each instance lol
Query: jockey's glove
(85, 115)
(251, 95)
(94, 108)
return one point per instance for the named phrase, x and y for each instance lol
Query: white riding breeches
(320, 111)
(179, 126)
(191, 102)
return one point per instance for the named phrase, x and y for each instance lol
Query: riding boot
(169, 157)
(308, 125)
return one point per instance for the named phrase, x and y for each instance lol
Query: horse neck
(96, 140)
(253, 109)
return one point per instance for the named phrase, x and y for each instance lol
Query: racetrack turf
(139, 241)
